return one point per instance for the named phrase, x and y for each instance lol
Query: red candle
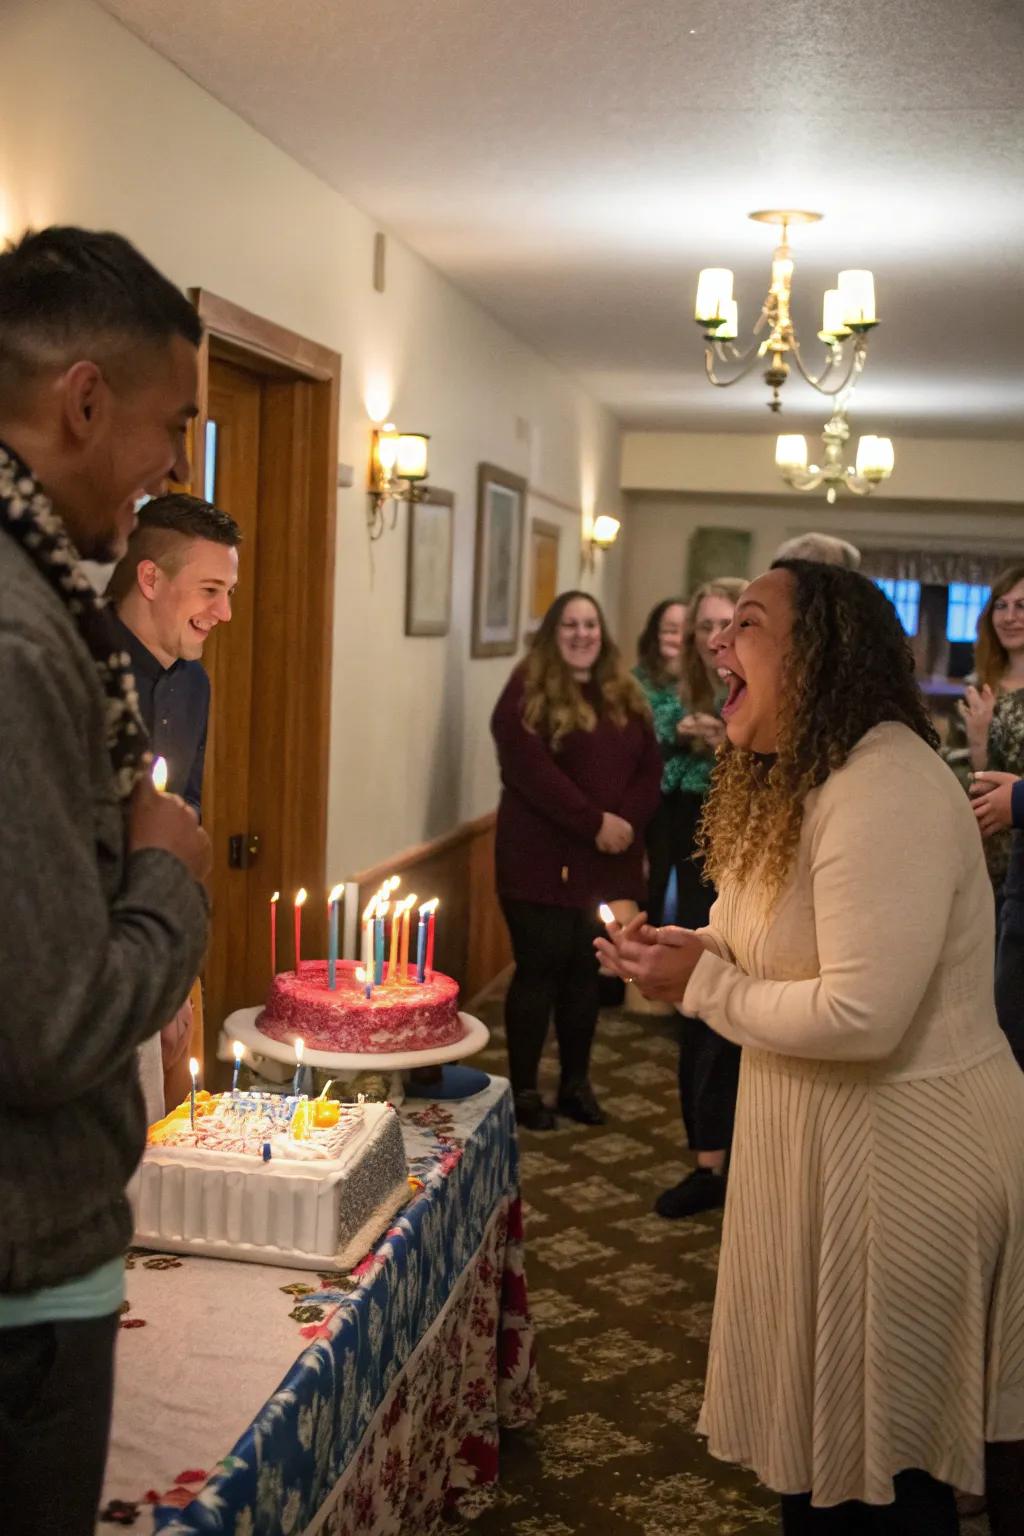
(430, 943)
(273, 932)
(300, 899)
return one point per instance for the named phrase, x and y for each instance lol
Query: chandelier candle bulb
(273, 932)
(714, 291)
(237, 1049)
(791, 451)
(833, 316)
(857, 288)
(300, 902)
(875, 457)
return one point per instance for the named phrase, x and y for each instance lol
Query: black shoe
(580, 1104)
(532, 1113)
(701, 1190)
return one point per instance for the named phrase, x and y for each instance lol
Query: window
(905, 597)
(964, 610)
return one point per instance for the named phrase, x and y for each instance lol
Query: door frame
(308, 500)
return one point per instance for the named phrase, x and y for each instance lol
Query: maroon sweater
(552, 803)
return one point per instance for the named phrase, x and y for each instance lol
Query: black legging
(556, 973)
(670, 838)
(922, 1507)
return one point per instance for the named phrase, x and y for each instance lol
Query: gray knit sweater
(97, 950)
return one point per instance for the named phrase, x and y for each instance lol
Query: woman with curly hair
(868, 1340)
(580, 771)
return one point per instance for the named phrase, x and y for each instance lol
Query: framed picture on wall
(428, 583)
(501, 498)
(717, 552)
(542, 568)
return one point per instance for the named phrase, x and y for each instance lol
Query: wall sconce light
(603, 533)
(398, 471)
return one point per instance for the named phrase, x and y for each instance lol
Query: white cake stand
(242, 1026)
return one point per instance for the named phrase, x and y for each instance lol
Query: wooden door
(233, 478)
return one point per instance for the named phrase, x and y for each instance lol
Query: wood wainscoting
(458, 868)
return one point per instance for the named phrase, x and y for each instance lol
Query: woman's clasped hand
(659, 960)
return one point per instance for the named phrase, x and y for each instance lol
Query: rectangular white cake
(242, 1185)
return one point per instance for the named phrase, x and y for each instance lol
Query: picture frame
(428, 579)
(501, 502)
(716, 552)
(542, 585)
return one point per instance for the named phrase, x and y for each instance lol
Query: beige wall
(97, 129)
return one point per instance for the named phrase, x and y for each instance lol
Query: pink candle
(430, 943)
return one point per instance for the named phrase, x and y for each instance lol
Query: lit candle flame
(393, 883)
(336, 893)
(371, 910)
(193, 1067)
(239, 1050)
(300, 897)
(300, 1046)
(160, 775)
(360, 973)
(276, 896)
(430, 906)
(605, 913)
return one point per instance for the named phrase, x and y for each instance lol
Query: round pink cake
(418, 1016)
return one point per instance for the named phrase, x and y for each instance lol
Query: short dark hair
(165, 527)
(66, 293)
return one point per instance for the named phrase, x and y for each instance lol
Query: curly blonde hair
(696, 688)
(990, 656)
(848, 667)
(554, 703)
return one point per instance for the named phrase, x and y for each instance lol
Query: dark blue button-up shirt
(174, 703)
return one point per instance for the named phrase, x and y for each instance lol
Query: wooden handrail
(377, 873)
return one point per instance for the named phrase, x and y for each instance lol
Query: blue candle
(670, 903)
(421, 947)
(333, 902)
(378, 949)
(297, 1079)
(238, 1062)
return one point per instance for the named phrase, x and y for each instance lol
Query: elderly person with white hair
(822, 548)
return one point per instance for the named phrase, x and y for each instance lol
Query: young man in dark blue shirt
(171, 589)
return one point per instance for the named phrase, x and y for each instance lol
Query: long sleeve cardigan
(553, 800)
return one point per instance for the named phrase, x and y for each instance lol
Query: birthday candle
(300, 901)
(368, 921)
(273, 932)
(332, 935)
(430, 935)
(378, 942)
(421, 944)
(297, 1079)
(393, 975)
(362, 978)
(403, 956)
(238, 1049)
(193, 1072)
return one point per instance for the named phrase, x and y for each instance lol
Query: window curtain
(938, 567)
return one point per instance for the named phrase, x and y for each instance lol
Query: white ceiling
(571, 164)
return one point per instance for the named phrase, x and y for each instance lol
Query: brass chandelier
(848, 312)
(874, 462)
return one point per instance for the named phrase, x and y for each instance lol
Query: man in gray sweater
(104, 912)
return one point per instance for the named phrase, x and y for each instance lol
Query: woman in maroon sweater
(581, 776)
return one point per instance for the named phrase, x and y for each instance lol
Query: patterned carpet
(622, 1301)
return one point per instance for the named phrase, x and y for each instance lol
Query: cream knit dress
(870, 1307)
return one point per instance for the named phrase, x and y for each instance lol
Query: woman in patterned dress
(867, 1352)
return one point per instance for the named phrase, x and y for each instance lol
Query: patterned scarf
(27, 515)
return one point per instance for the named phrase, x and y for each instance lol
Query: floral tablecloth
(253, 1401)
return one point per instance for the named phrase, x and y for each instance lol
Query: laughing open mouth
(737, 692)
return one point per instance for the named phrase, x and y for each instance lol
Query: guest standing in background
(993, 705)
(708, 1065)
(171, 589)
(820, 549)
(580, 771)
(659, 665)
(101, 878)
(998, 803)
(867, 1348)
